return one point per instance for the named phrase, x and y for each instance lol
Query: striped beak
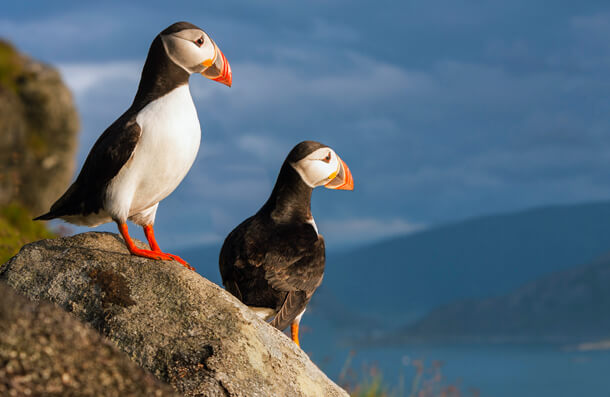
(218, 69)
(343, 179)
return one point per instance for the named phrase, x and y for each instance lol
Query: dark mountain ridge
(397, 281)
(402, 278)
(569, 306)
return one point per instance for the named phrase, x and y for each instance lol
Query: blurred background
(473, 254)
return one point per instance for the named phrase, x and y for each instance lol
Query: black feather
(275, 259)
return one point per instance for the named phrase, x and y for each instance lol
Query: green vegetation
(10, 66)
(426, 381)
(372, 385)
(17, 228)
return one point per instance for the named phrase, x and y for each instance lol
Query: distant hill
(388, 284)
(567, 306)
(400, 279)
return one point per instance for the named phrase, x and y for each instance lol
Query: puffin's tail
(63, 206)
(45, 217)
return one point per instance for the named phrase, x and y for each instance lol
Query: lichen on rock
(184, 329)
(45, 351)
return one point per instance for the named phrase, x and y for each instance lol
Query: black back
(275, 258)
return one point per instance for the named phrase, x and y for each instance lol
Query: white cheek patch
(174, 48)
(207, 50)
(333, 165)
(186, 54)
(314, 171)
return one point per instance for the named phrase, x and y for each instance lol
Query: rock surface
(184, 329)
(38, 129)
(46, 351)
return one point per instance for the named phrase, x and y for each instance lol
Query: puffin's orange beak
(343, 179)
(218, 69)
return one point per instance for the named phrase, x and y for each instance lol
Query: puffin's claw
(158, 255)
(149, 254)
(179, 260)
(150, 236)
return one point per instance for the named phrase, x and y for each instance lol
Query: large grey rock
(184, 329)
(45, 351)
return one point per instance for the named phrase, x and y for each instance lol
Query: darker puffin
(274, 261)
(143, 156)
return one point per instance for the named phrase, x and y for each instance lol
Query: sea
(474, 370)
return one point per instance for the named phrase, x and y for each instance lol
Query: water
(495, 371)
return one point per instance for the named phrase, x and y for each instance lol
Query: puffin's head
(193, 50)
(319, 165)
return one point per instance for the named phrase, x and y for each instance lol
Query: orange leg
(294, 332)
(150, 236)
(158, 255)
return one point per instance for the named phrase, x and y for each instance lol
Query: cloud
(355, 230)
(293, 104)
(64, 34)
(439, 114)
(58, 28)
(264, 147)
(82, 78)
(593, 23)
(325, 30)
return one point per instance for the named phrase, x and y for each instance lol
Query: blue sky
(442, 109)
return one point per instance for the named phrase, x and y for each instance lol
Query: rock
(184, 329)
(46, 351)
(39, 125)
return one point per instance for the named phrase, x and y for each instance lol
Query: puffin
(144, 155)
(274, 260)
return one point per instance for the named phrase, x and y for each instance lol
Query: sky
(442, 109)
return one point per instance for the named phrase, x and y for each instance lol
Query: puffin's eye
(327, 158)
(199, 42)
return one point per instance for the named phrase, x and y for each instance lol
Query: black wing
(300, 277)
(294, 305)
(231, 262)
(109, 154)
(273, 266)
(296, 263)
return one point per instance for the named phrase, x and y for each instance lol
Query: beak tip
(349, 185)
(346, 178)
(222, 66)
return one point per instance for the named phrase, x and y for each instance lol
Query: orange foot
(155, 253)
(176, 258)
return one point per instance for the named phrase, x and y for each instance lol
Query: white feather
(297, 319)
(164, 154)
(264, 313)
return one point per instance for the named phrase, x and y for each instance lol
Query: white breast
(164, 154)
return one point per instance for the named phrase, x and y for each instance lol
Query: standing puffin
(274, 260)
(144, 155)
